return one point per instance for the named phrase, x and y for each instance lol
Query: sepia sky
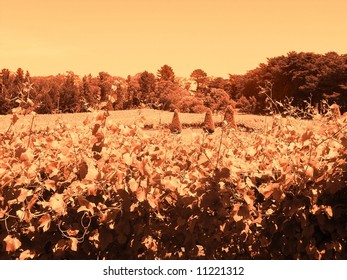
(125, 37)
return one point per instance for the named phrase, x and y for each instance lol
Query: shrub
(176, 126)
(229, 117)
(45, 104)
(199, 109)
(208, 124)
(247, 105)
(217, 100)
(191, 104)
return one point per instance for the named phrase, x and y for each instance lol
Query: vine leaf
(27, 254)
(45, 222)
(57, 203)
(12, 243)
(73, 243)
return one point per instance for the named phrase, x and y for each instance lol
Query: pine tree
(165, 73)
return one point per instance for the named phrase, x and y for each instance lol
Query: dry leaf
(153, 202)
(100, 116)
(82, 170)
(133, 185)
(85, 205)
(92, 189)
(26, 255)
(57, 203)
(45, 222)
(27, 156)
(309, 171)
(92, 172)
(20, 214)
(267, 189)
(249, 182)
(329, 211)
(201, 251)
(306, 135)
(127, 159)
(50, 185)
(14, 118)
(73, 243)
(251, 151)
(23, 195)
(248, 199)
(140, 194)
(12, 243)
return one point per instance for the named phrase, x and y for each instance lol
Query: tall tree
(218, 82)
(19, 79)
(147, 87)
(4, 102)
(70, 97)
(217, 99)
(133, 91)
(105, 84)
(90, 92)
(200, 77)
(166, 73)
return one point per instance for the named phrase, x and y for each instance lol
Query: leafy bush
(247, 105)
(45, 104)
(191, 104)
(109, 191)
(217, 100)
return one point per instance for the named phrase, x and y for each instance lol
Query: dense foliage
(109, 191)
(300, 78)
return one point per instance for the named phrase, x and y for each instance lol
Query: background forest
(305, 80)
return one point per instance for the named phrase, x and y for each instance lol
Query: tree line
(304, 78)
(301, 78)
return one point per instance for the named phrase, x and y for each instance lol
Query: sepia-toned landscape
(122, 163)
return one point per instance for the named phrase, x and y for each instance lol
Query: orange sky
(129, 36)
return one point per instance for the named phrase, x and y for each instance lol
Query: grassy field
(150, 118)
(153, 120)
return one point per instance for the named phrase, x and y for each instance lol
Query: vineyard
(110, 190)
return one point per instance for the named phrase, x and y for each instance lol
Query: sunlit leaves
(12, 243)
(27, 254)
(107, 190)
(127, 158)
(57, 204)
(74, 244)
(267, 189)
(45, 222)
(85, 205)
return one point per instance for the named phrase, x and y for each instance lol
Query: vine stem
(219, 148)
(31, 130)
